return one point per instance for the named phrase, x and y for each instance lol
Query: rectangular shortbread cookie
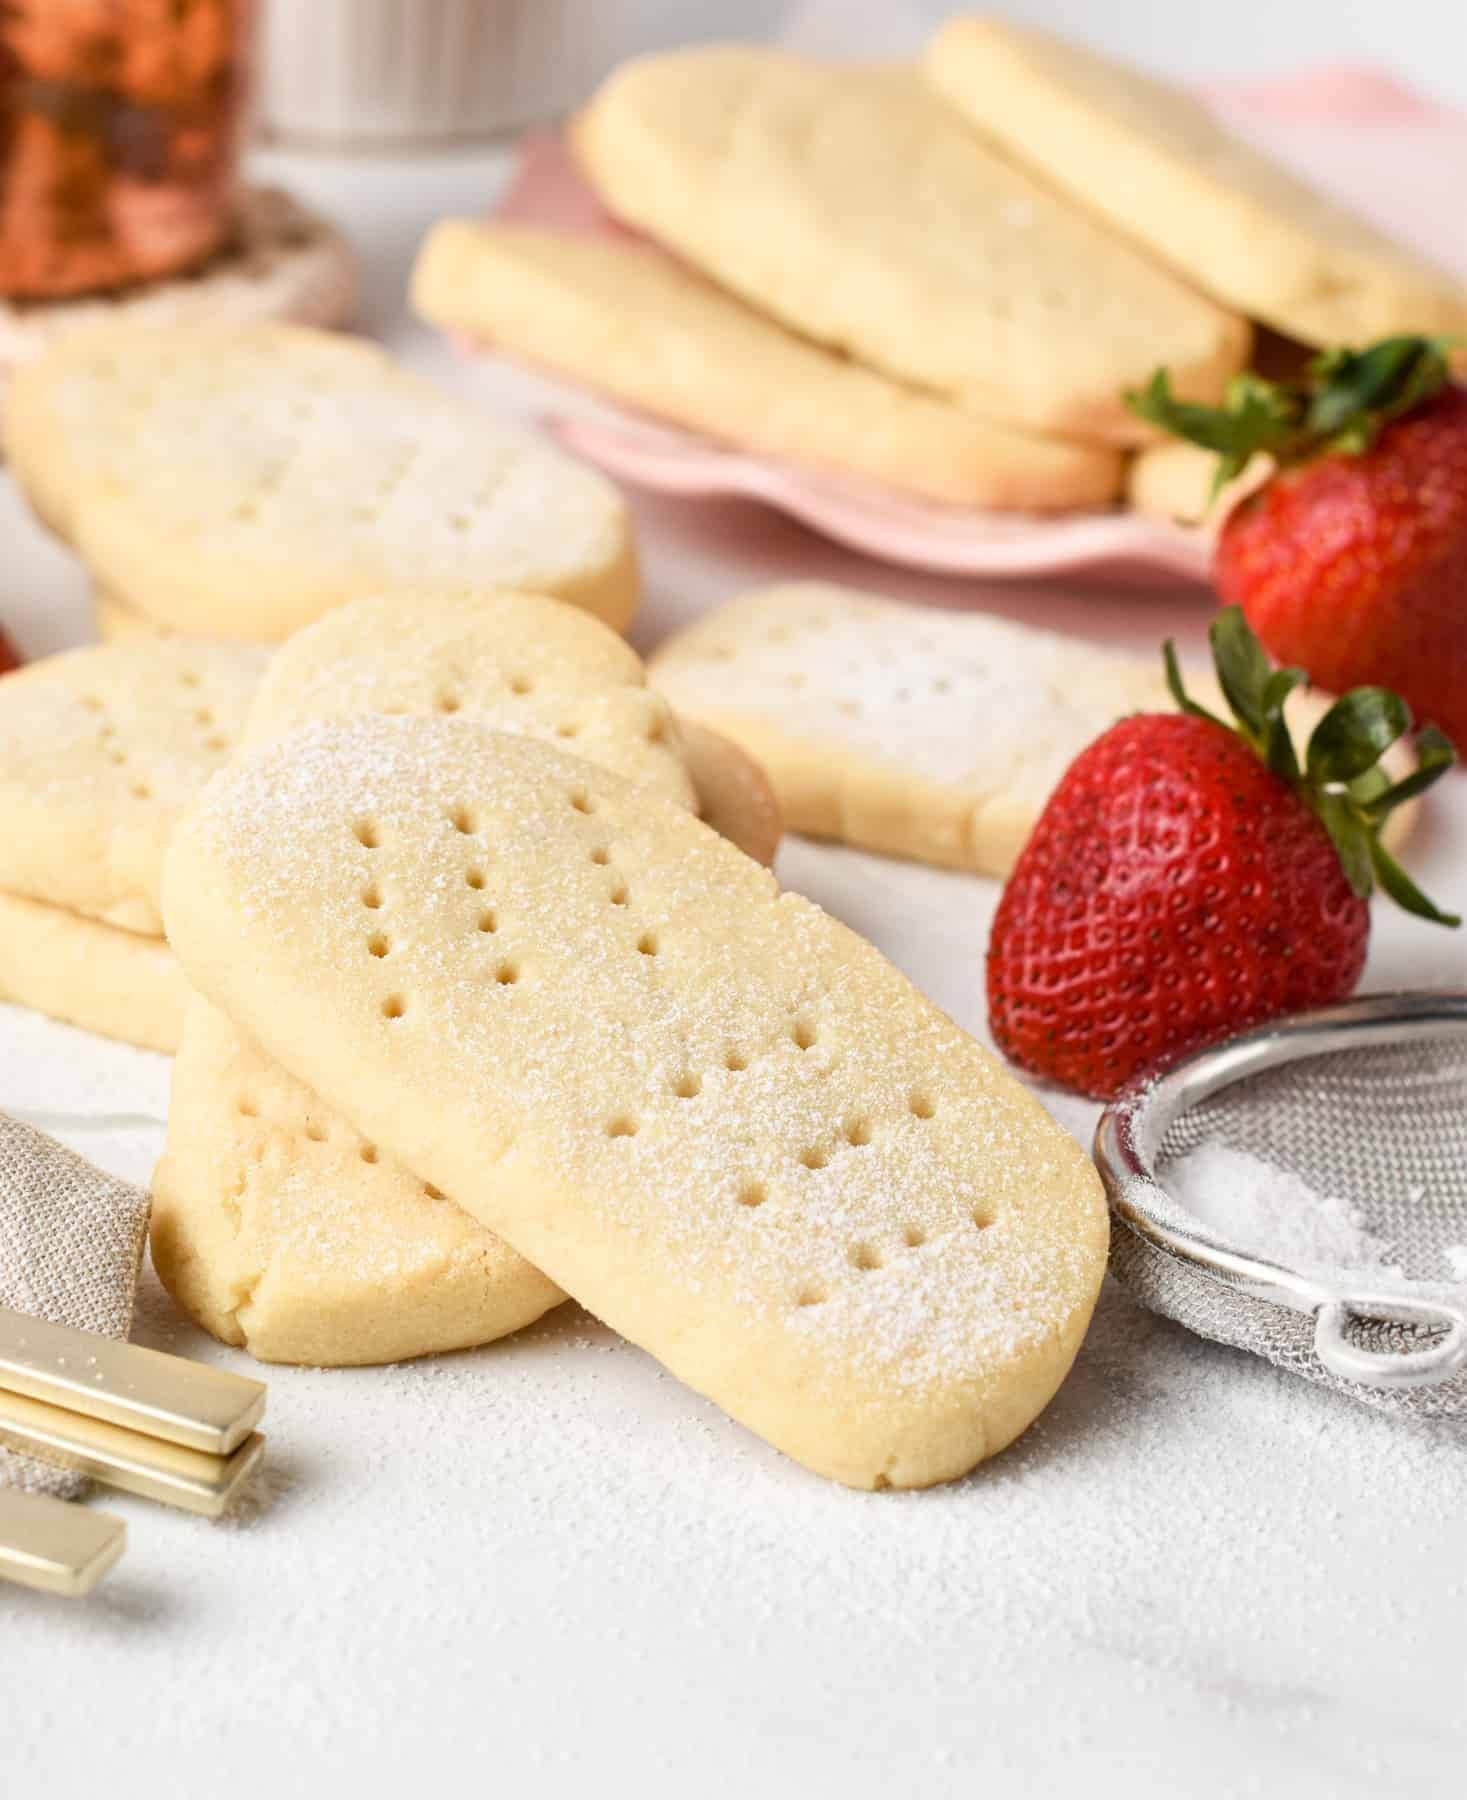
(1159, 166)
(857, 207)
(935, 735)
(117, 983)
(629, 322)
(275, 1224)
(713, 1114)
(239, 481)
(101, 750)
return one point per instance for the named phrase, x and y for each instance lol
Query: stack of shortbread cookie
(942, 279)
(483, 1015)
(488, 1017)
(102, 750)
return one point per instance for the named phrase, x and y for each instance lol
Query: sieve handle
(1385, 1368)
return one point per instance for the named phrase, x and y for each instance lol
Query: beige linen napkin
(71, 1242)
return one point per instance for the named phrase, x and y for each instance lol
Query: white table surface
(546, 1566)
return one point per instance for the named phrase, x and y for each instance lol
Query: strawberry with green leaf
(1352, 557)
(1189, 878)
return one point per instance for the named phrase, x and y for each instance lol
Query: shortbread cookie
(927, 734)
(240, 481)
(1174, 481)
(855, 206)
(629, 322)
(277, 1226)
(101, 750)
(282, 261)
(251, 1262)
(713, 1114)
(934, 735)
(735, 796)
(518, 662)
(1160, 167)
(117, 983)
(119, 624)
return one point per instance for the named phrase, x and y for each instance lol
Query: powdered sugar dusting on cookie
(243, 480)
(519, 663)
(716, 1114)
(961, 699)
(101, 751)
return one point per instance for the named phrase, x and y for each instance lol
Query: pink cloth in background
(1355, 132)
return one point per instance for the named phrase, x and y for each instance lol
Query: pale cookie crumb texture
(927, 734)
(630, 323)
(240, 481)
(854, 205)
(277, 1227)
(101, 751)
(1159, 167)
(716, 1116)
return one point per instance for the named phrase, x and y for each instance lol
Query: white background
(545, 1568)
(1425, 40)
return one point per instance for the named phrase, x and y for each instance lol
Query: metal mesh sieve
(1366, 1101)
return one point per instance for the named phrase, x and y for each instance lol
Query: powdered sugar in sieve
(1363, 1108)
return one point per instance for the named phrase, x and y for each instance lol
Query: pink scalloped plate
(946, 540)
(1356, 132)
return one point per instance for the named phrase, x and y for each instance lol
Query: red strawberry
(1187, 879)
(8, 659)
(1352, 559)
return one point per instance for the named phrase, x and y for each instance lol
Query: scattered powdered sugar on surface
(106, 1101)
(1263, 1210)
(550, 1552)
(1456, 1260)
(551, 1556)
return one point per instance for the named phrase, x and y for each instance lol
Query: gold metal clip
(53, 1546)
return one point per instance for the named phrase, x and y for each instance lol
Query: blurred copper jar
(119, 137)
